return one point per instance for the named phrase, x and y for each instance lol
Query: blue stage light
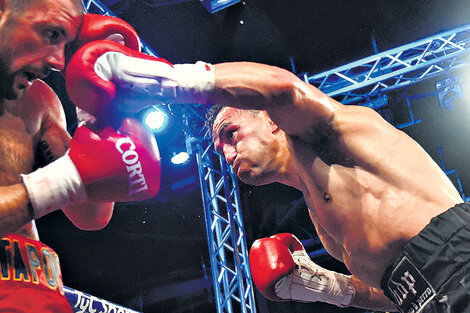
(449, 92)
(180, 158)
(155, 119)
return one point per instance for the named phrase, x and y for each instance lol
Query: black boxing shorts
(432, 273)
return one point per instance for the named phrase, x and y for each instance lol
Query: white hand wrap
(54, 186)
(141, 79)
(310, 282)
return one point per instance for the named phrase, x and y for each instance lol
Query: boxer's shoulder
(38, 114)
(42, 100)
(38, 107)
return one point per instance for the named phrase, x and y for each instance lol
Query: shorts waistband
(439, 231)
(428, 260)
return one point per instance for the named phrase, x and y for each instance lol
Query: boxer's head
(33, 34)
(250, 142)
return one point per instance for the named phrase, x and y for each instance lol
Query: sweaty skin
(32, 44)
(36, 116)
(369, 186)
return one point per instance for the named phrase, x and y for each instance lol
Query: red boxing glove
(282, 270)
(102, 27)
(117, 166)
(270, 260)
(105, 167)
(89, 83)
(104, 72)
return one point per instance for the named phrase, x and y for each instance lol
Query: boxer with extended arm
(42, 169)
(379, 203)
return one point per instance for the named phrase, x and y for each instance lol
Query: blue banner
(85, 303)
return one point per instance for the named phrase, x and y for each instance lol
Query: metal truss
(226, 236)
(366, 81)
(216, 5)
(96, 7)
(353, 83)
(367, 78)
(211, 5)
(233, 287)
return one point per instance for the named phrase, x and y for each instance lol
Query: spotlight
(449, 92)
(180, 158)
(155, 119)
(377, 103)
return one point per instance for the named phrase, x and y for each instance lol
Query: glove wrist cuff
(310, 282)
(195, 82)
(54, 186)
(343, 291)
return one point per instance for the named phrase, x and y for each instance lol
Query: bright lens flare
(180, 158)
(155, 120)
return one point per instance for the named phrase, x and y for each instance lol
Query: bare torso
(373, 193)
(20, 131)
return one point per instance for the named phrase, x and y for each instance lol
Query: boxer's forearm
(370, 298)
(14, 210)
(15, 213)
(249, 85)
(292, 104)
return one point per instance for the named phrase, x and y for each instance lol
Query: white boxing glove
(102, 74)
(310, 282)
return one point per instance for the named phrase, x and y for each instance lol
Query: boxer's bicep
(54, 139)
(53, 144)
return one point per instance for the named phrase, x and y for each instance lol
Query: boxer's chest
(16, 149)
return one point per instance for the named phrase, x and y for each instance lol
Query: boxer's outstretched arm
(103, 74)
(292, 104)
(283, 271)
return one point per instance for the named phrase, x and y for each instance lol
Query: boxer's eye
(229, 134)
(53, 35)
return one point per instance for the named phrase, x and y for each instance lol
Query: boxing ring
(363, 82)
(84, 303)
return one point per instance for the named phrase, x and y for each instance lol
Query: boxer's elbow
(286, 88)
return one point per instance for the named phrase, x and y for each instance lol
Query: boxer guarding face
(43, 169)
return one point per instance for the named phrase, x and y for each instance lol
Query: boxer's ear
(273, 126)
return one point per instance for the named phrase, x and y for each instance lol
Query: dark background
(153, 256)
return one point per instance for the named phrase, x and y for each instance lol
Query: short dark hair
(17, 7)
(214, 111)
(211, 115)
